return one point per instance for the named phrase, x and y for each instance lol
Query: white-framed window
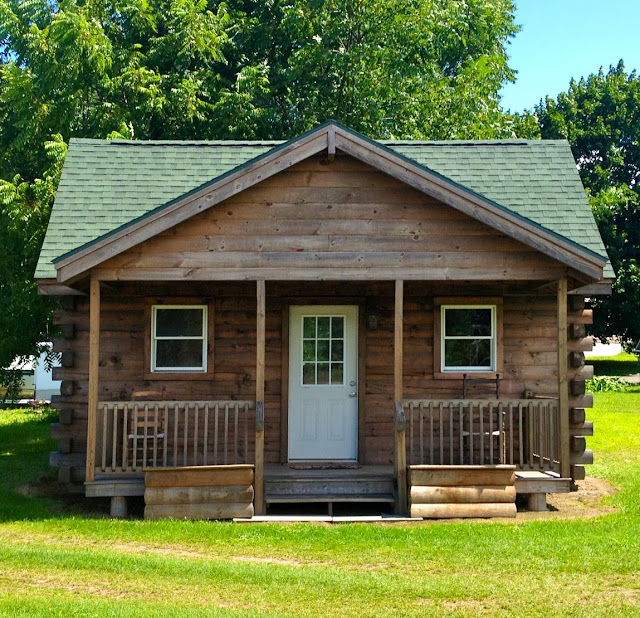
(179, 338)
(468, 338)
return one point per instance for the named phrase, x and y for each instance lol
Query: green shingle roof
(106, 184)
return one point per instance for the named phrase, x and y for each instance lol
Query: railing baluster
(411, 436)
(491, 436)
(235, 434)
(471, 411)
(440, 432)
(500, 420)
(226, 433)
(103, 454)
(215, 429)
(520, 436)
(246, 433)
(145, 436)
(510, 413)
(481, 419)
(156, 414)
(552, 441)
(541, 438)
(205, 446)
(175, 435)
(165, 434)
(430, 408)
(530, 426)
(461, 433)
(185, 441)
(196, 422)
(450, 435)
(134, 438)
(125, 423)
(114, 439)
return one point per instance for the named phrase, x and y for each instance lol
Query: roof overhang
(328, 137)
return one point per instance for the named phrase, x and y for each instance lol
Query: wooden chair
(146, 437)
(484, 387)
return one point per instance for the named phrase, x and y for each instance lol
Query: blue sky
(561, 39)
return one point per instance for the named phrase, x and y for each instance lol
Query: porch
(127, 439)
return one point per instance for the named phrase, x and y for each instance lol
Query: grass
(622, 364)
(55, 563)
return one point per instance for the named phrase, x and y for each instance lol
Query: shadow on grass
(28, 486)
(614, 368)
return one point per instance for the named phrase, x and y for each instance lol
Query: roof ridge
(275, 142)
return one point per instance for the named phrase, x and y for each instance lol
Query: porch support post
(400, 458)
(259, 505)
(94, 364)
(563, 386)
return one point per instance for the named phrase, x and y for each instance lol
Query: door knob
(352, 394)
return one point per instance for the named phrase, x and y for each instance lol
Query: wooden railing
(133, 436)
(521, 432)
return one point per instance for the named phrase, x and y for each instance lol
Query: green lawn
(55, 563)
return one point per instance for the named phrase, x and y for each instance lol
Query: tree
(600, 116)
(388, 68)
(207, 69)
(24, 211)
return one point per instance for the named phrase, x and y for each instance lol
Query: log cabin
(326, 320)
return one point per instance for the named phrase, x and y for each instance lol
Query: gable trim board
(78, 262)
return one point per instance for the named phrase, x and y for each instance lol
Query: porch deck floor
(325, 470)
(541, 481)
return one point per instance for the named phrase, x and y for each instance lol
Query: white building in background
(37, 379)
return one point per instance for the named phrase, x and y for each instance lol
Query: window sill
(178, 375)
(471, 375)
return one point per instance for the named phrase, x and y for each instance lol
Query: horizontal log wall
(211, 492)
(529, 351)
(456, 491)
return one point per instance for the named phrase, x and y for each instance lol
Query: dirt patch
(584, 503)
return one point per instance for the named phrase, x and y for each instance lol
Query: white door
(323, 383)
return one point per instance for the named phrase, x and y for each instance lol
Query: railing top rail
(504, 401)
(170, 402)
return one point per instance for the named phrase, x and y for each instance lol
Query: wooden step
(275, 499)
(342, 487)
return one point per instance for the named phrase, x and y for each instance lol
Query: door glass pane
(337, 350)
(309, 327)
(323, 350)
(309, 351)
(309, 373)
(324, 328)
(337, 373)
(337, 327)
(323, 373)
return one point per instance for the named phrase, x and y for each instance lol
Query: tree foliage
(600, 116)
(24, 212)
(388, 68)
(206, 69)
